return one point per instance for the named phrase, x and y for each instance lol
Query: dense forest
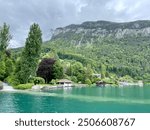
(115, 51)
(122, 48)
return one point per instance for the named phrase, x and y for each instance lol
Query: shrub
(31, 79)
(12, 80)
(109, 81)
(126, 78)
(74, 79)
(88, 81)
(39, 80)
(24, 86)
(53, 82)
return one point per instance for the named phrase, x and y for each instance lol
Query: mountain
(124, 48)
(102, 29)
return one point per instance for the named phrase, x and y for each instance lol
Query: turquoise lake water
(78, 100)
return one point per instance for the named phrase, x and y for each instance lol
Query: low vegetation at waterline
(24, 86)
(85, 60)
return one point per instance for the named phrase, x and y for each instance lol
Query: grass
(24, 86)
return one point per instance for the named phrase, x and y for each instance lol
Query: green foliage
(74, 79)
(39, 80)
(126, 78)
(30, 55)
(4, 37)
(77, 70)
(126, 55)
(78, 57)
(88, 81)
(6, 64)
(9, 67)
(147, 77)
(24, 86)
(103, 71)
(57, 70)
(53, 81)
(11, 79)
(82, 54)
(2, 70)
(36, 80)
(110, 81)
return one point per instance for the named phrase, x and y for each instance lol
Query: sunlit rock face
(103, 29)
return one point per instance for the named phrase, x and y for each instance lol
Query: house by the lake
(125, 83)
(65, 83)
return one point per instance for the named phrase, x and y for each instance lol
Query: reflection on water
(78, 100)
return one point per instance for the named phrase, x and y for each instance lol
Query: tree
(4, 42)
(2, 70)
(45, 69)
(103, 71)
(77, 70)
(30, 55)
(4, 38)
(9, 67)
(57, 70)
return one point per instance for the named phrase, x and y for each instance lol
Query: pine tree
(4, 42)
(4, 37)
(30, 54)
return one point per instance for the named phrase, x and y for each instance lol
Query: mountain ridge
(103, 29)
(123, 51)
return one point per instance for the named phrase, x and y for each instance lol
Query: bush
(12, 80)
(88, 81)
(74, 79)
(126, 78)
(53, 81)
(24, 86)
(39, 80)
(31, 79)
(109, 81)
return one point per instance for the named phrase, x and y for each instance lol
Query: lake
(78, 100)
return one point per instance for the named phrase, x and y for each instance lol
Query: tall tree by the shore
(28, 63)
(4, 42)
(4, 37)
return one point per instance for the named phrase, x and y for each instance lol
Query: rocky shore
(1, 85)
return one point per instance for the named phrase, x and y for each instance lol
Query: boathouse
(65, 83)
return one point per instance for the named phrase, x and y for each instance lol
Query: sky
(50, 14)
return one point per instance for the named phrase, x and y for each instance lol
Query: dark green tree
(30, 55)
(2, 70)
(9, 67)
(4, 37)
(4, 42)
(45, 69)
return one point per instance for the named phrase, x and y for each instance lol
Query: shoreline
(46, 87)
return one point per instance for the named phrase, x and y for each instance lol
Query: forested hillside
(116, 51)
(124, 48)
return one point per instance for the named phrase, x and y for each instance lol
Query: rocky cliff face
(102, 29)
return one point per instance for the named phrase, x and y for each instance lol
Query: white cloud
(19, 14)
(80, 4)
(116, 5)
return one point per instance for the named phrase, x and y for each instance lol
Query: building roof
(64, 81)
